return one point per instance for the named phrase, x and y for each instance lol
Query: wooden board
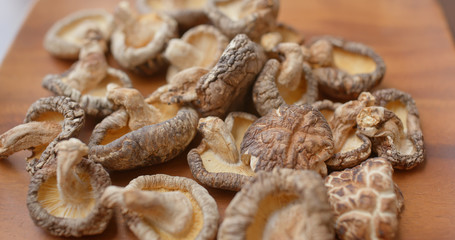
(412, 36)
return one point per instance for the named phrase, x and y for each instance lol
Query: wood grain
(412, 36)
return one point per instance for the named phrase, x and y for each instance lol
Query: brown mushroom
(64, 197)
(282, 204)
(142, 132)
(48, 121)
(165, 207)
(365, 201)
(344, 69)
(279, 34)
(251, 17)
(66, 37)
(86, 81)
(200, 46)
(187, 13)
(216, 162)
(327, 108)
(138, 41)
(296, 137)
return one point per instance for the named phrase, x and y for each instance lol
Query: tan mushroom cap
(282, 204)
(66, 37)
(279, 34)
(166, 207)
(296, 137)
(344, 69)
(326, 107)
(365, 200)
(250, 17)
(138, 41)
(217, 162)
(64, 197)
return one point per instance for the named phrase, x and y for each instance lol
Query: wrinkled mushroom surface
(217, 162)
(166, 207)
(142, 132)
(296, 137)
(365, 200)
(279, 34)
(343, 68)
(282, 204)
(64, 197)
(138, 41)
(66, 37)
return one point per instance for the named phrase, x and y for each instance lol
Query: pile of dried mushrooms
(307, 165)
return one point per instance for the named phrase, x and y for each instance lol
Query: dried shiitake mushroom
(326, 107)
(64, 197)
(142, 132)
(351, 147)
(251, 17)
(282, 204)
(188, 13)
(66, 37)
(365, 200)
(86, 81)
(344, 69)
(279, 34)
(48, 121)
(296, 137)
(200, 46)
(216, 162)
(138, 41)
(165, 207)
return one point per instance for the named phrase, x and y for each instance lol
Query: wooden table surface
(412, 37)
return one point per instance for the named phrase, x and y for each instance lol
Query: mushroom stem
(291, 69)
(28, 135)
(178, 52)
(123, 15)
(380, 122)
(170, 211)
(70, 186)
(321, 54)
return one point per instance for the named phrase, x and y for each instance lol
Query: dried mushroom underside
(250, 17)
(187, 13)
(138, 41)
(216, 162)
(166, 207)
(365, 200)
(326, 107)
(64, 198)
(86, 81)
(282, 204)
(296, 137)
(142, 132)
(200, 46)
(344, 69)
(66, 37)
(281, 33)
(48, 121)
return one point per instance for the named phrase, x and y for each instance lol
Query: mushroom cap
(93, 101)
(326, 107)
(280, 33)
(93, 223)
(228, 82)
(205, 215)
(282, 204)
(365, 200)
(54, 109)
(68, 47)
(145, 146)
(296, 137)
(368, 69)
(253, 18)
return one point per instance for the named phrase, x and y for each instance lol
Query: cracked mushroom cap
(226, 85)
(365, 200)
(187, 13)
(344, 69)
(138, 41)
(166, 207)
(200, 46)
(279, 34)
(282, 204)
(48, 121)
(66, 37)
(296, 137)
(64, 198)
(250, 17)
(216, 162)
(142, 132)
